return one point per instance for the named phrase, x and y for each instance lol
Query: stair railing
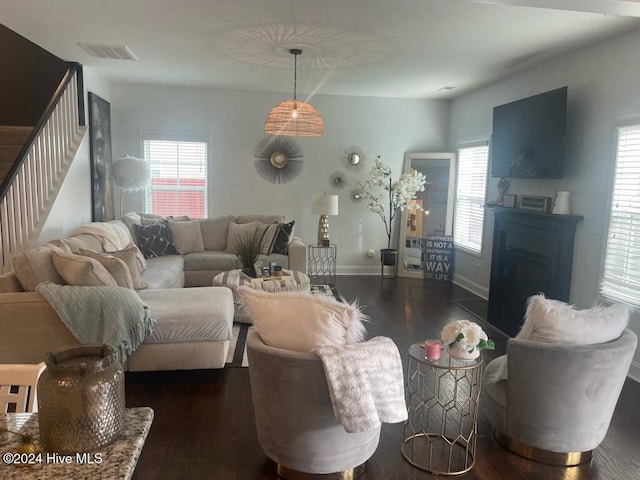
(30, 187)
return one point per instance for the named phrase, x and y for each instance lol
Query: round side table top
(416, 351)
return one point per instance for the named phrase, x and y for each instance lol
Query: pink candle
(432, 349)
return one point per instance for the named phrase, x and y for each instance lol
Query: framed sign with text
(438, 257)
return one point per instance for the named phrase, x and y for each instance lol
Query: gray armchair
(558, 401)
(294, 417)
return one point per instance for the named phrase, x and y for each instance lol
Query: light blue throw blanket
(113, 315)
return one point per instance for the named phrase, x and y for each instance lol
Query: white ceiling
(386, 48)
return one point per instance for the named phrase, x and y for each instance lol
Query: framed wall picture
(534, 202)
(102, 208)
(257, 269)
(509, 200)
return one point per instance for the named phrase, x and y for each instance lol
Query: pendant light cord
(295, 52)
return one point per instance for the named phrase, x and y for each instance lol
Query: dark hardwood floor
(204, 426)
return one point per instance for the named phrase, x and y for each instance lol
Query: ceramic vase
(561, 203)
(462, 354)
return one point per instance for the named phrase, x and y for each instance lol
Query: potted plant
(386, 198)
(248, 248)
(465, 339)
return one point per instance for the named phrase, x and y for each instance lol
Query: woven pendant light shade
(306, 123)
(294, 118)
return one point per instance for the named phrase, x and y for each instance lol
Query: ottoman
(293, 282)
(192, 331)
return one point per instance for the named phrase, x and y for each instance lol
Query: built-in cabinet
(532, 252)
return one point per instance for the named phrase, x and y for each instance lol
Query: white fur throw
(300, 321)
(554, 321)
(365, 383)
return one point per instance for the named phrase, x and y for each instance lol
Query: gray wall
(235, 121)
(604, 92)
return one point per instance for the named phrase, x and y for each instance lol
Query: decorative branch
(398, 194)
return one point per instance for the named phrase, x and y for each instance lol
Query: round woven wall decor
(278, 159)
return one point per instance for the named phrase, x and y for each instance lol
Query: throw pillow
(215, 231)
(554, 321)
(268, 236)
(116, 267)
(150, 218)
(187, 236)
(82, 271)
(155, 240)
(131, 219)
(282, 238)
(35, 265)
(131, 257)
(238, 231)
(302, 321)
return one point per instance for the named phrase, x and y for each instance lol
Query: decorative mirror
(278, 159)
(432, 215)
(338, 180)
(353, 158)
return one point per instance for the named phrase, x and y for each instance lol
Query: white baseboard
(472, 286)
(358, 270)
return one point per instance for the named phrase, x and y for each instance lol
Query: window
(468, 219)
(621, 275)
(178, 183)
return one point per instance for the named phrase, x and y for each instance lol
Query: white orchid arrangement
(468, 335)
(386, 197)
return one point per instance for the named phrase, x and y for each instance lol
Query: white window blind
(621, 274)
(178, 184)
(471, 187)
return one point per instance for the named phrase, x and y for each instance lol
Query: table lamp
(324, 205)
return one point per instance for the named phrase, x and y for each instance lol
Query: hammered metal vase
(81, 399)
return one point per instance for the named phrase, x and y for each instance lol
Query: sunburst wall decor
(278, 159)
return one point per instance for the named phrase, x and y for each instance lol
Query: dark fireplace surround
(532, 253)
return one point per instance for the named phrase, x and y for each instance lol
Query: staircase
(12, 139)
(33, 165)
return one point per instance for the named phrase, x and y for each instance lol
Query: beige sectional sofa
(193, 326)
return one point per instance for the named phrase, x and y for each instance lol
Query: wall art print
(102, 208)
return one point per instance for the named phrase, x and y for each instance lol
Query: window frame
(470, 251)
(181, 137)
(604, 296)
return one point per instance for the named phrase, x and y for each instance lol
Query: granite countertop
(115, 461)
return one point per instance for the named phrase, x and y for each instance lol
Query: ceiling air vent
(117, 52)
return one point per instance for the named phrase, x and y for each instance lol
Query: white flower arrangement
(468, 336)
(386, 197)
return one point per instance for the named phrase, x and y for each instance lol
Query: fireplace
(532, 253)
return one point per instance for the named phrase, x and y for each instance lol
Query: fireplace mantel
(532, 252)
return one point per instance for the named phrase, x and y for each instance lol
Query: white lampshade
(323, 204)
(131, 174)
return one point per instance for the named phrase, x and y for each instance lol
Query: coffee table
(293, 281)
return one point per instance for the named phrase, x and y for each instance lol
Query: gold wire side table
(441, 432)
(322, 264)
